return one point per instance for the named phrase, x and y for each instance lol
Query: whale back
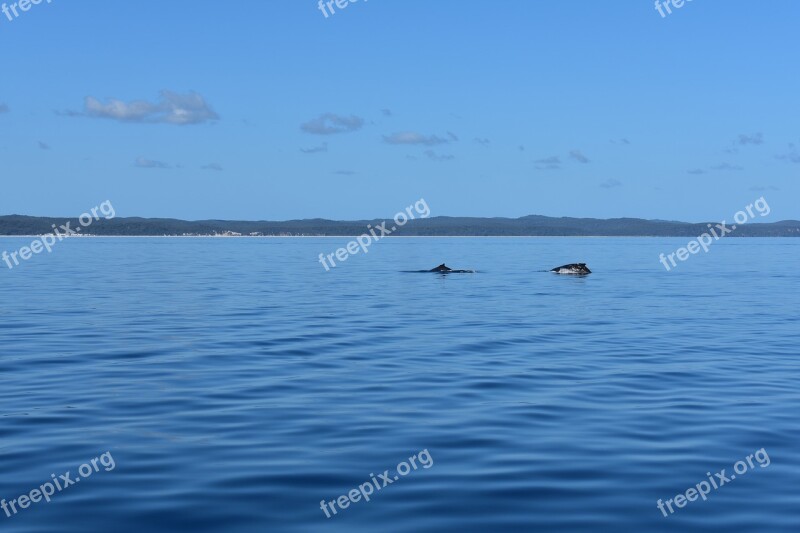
(572, 268)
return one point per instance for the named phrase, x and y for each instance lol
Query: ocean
(236, 385)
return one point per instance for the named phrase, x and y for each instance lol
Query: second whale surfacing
(579, 269)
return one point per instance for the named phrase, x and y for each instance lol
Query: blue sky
(268, 110)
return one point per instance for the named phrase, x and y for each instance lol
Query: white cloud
(433, 156)
(410, 137)
(315, 149)
(142, 162)
(330, 123)
(173, 108)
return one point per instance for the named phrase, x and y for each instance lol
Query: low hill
(532, 225)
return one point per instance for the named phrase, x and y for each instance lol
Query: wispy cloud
(142, 162)
(4, 108)
(744, 139)
(762, 188)
(521, 148)
(696, 171)
(611, 184)
(726, 166)
(548, 163)
(620, 141)
(433, 156)
(792, 156)
(386, 112)
(578, 156)
(410, 137)
(483, 141)
(330, 124)
(315, 149)
(212, 166)
(172, 108)
(345, 172)
(453, 136)
(44, 145)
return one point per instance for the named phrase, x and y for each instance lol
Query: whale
(579, 269)
(444, 269)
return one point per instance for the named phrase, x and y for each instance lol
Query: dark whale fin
(444, 269)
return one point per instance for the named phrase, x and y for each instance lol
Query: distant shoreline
(528, 226)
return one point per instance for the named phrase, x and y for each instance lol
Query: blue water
(237, 384)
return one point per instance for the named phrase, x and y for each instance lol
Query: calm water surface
(237, 384)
